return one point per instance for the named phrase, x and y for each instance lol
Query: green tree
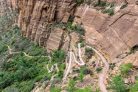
(58, 56)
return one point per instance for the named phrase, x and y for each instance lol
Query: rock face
(133, 58)
(37, 16)
(121, 1)
(111, 34)
(55, 38)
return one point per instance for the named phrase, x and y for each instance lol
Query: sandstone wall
(111, 34)
(121, 1)
(37, 16)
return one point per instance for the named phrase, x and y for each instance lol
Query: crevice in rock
(118, 18)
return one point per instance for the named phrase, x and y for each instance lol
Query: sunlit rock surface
(111, 34)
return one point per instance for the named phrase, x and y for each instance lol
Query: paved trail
(103, 74)
(73, 59)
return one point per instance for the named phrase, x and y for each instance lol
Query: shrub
(89, 52)
(134, 88)
(117, 84)
(99, 69)
(61, 70)
(71, 86)
(126, 68)
(6, 79)
(3, 48)
(79, 29)
(109, 11)
(101, 3)
(26, 86)
(69, 26)
(76, 28)
(11, 89)
(81, 41)
(81, 74)
(55, 89)
(86, 89)
(58, 56)
(79, 2)
(112, 65)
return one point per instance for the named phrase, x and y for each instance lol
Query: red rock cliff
(112, 34)
(36, 17)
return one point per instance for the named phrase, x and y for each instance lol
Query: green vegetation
(126, 68)
(134, 88)
(72, 88)
(89, 52)
(58, 56)
(81, 74)
(86, 89)
(106, 7)
(79, 29)
(109, 11)
(101, 3)
(75, 28)
(99, 69)
(117, 84)
(55, 89)
(81, 41)
(79, 2)
(112, 65)
(19, 71)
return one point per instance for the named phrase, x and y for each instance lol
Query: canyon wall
(111, 34)
(38, 18)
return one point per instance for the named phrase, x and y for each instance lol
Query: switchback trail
(103, 74)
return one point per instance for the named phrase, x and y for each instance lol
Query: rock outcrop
(111, 34)
(37, 19)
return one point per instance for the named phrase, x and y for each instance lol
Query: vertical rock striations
(37, 16)
(112, 34)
